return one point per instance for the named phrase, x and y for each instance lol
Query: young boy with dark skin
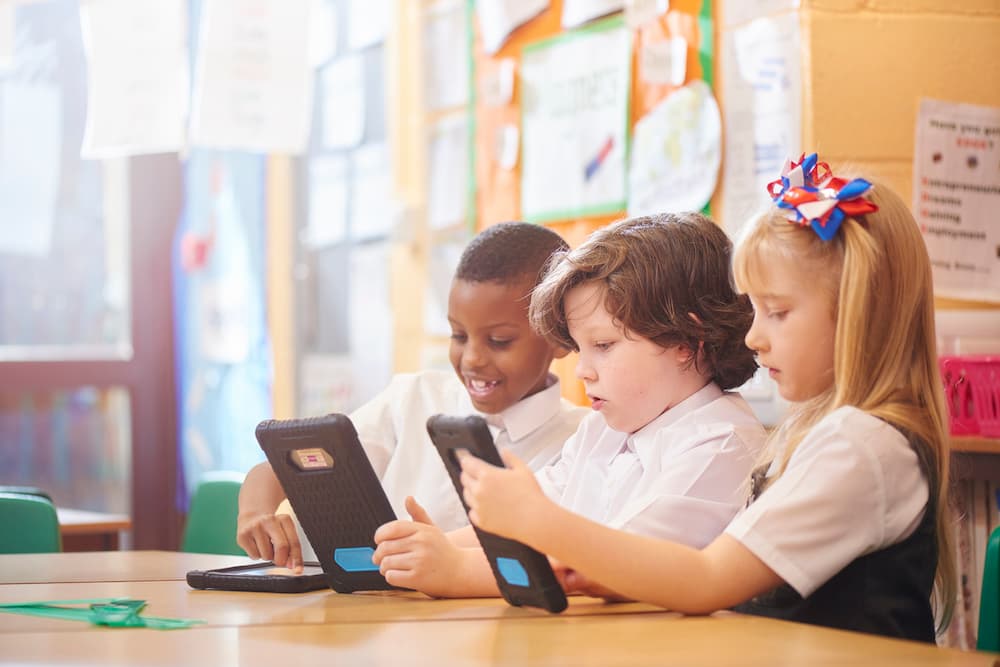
(501, 371)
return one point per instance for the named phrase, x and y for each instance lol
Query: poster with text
(762, 87)
(575, 92)
(137, 68)
(956, 196)
(253, 80)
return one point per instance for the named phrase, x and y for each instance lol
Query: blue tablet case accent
(355, 559)
(512, 570)
(334, 491)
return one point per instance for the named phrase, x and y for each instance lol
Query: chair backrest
(211, 519)
(30, 524)
(988, 637)
(26, 491)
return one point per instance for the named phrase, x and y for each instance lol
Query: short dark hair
(508, 253)
(654, 271)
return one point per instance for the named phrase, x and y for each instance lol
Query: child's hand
(574, 582)
(500, 500)
(270, 537)
(417, 554)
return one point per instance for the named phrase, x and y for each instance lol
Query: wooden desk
(401, 628)
(107, 566)
(223, 608)
(82, 530)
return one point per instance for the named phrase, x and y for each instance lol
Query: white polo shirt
(392, 428)
(853, 486)
(681, 477)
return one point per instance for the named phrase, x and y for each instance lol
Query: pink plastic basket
(972, 393)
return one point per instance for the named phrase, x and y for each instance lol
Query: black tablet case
(523, 575)
(339, 502)
(239, 578)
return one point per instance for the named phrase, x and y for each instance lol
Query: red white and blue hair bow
(812, 196)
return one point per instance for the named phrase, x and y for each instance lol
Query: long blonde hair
(878, 275)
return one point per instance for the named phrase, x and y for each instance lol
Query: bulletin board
(680, 106)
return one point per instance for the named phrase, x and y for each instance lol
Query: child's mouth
(596, 403)
(480, 388)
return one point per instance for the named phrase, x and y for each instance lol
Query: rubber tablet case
(523, 575)
(335, 493)
(248, 578)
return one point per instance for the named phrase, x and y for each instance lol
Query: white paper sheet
(343, 83)
(7, 34)
(253, 82)
(742, 11)
(664, 62)
(372, 203)
(676, 152)
(441, 264)
(508, 141)
(448, 171)
(322, 32)
(499, 18)
(367, 22)
(641, 12)
(30, 145)
(137, 76)
(370, 317)
(497, 89)
(578, 12)
(762, 86)
(446, 55)
(328, 183)
(956, 196)
(575, 117)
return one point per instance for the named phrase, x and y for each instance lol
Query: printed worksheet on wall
(956, 194)
(253, 81)
(137, 67)
(762, 88)
(575, 92)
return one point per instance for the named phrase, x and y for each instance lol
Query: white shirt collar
(520, 419)
(644, 441)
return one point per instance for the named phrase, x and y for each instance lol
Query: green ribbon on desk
(110, 612)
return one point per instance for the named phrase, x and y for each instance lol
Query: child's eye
(458, 337)
(603, 347)
(501, 342)
(777, 314)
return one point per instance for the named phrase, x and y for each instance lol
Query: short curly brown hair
(657, 271)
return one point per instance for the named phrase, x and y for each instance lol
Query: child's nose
(474, 355)
(755, 339)
(584, 371)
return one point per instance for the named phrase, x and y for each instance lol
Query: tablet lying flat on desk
(260, 578)
(335, 493)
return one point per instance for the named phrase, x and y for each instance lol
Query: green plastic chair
(211, 519)
(31, 525)
(26, 491)
(988, 637)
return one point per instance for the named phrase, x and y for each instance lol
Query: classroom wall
(865, 66)
(867, 63)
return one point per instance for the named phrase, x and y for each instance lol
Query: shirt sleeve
(853, 486)
(376, 427)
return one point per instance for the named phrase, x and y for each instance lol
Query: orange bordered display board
(591, 110)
